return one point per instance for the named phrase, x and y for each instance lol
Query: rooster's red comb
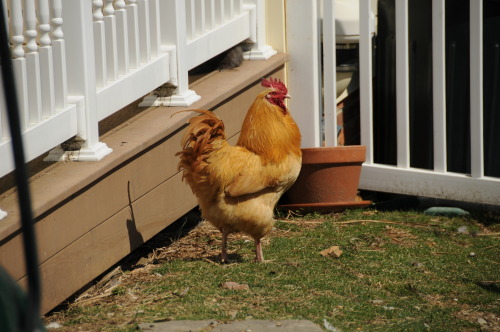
(275, 84)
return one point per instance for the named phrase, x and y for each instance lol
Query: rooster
(238, 186)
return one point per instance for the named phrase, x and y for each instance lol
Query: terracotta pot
(329, 176)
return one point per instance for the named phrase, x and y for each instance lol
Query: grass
(398, 271)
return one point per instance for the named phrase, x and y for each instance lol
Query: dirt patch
(488, 321)
(400, 236)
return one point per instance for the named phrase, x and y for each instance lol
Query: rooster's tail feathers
(197, 143)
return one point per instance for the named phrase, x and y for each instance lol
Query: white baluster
(238, 4)
(56, 20)
(32, 63)
(154, 20)
(108, 8)
(43, 23)
(110, 37)
(228, 10)
(199, 13)
(210, 13)
(190, 20)
(46, 61)
(99, 43)
(16, 28)
(144, 33)
(119, 4)
(30, 26)
(19, 62)
(219, 12)
(97, 10)
(133, 33)
(59, 55)
(122, 36)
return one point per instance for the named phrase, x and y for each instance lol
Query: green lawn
(398, 271)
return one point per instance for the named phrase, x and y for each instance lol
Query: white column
(365, 78)
(81, 75)
(304, 80)
(329, 73)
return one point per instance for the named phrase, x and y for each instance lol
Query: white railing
(318, 97)
(79, 61)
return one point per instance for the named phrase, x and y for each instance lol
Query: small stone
(332, 252)
(463, 230)
(377, 301)
(445, 211)
(417, 264)
(472, 254)
(481, 321)
(53, 325)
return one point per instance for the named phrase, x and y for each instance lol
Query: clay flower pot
(329, 179)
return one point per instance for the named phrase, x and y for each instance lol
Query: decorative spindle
(97, 10)
(30, 26)
(108, 8)
(131, 2)
(56, 20)
(43, 23)
(119, 4)
(16, 28)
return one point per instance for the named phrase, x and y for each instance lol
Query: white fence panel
(304, 44)
(474, 187)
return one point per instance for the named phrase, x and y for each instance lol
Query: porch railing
(315, 84)
(77, 62)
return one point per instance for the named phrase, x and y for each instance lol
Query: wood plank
(96, 251)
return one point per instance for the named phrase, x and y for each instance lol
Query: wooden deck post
(82, 76)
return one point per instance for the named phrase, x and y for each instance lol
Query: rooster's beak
(287, 96)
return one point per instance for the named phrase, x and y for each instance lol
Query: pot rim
(349, 154)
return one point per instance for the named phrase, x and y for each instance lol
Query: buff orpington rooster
(239, 186)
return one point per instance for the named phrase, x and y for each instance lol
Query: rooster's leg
(223, 254)
(258, 251)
